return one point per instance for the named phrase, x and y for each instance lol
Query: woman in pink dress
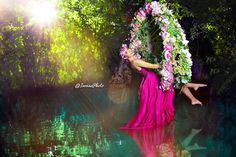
(155, 106)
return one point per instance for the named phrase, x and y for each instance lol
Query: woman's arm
(141, 63)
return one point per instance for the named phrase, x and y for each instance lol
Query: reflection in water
(160, 142)
(74, 123)
(59, 137)
(186, 142)
(56, 137)
(155, 142)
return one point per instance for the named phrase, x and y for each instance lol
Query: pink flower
(166, 21)
(165, 85)
(136, 27)
(148, 8)
(141, 15)
(137, 43)
(164, 29)
(167, 47)
(167, 55)
(132, 35)
(123, 50)
(161, 18)
(164, 35)
(171, 79)
(168, 66)
(155, 8)
(140, 18)
(129, 37)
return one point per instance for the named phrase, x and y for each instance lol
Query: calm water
(84, 123)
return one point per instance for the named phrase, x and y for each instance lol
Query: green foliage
(22, 54)
(86, 31)
(216, 21)
(73, 47)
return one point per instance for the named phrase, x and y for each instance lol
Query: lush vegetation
(211, 26)
(85, 38)
(73, 47)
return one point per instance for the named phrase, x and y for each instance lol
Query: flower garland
(176, 59)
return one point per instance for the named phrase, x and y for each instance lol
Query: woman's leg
(188, 93)
(195, 86)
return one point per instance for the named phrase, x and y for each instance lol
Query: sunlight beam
(42, 12)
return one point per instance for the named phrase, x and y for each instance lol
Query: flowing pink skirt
(155, 108)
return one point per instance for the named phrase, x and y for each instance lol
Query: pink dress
(155, 108)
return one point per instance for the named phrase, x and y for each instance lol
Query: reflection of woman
(160, 142)
(155, 142)
(155, 107)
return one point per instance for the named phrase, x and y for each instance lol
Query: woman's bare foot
(196, 86)
(195, 102)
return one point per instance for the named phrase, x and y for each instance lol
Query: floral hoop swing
(176, 59)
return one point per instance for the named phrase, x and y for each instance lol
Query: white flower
(170, 12)
(178, 37)
(188, 55)
(185, 51)
(185, 42)
(190, 62)
(165, 21)
(165, 35)
(156, 8)
(182, 34)
(165, 74)
(190, 73)
(177, 79)
(164, 8)
(154, 4)
(177, 24)
(172, 40)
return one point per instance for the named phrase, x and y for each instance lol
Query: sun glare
(43, 12)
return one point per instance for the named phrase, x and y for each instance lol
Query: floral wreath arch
(175, 59)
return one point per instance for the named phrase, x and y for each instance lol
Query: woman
(155, 106)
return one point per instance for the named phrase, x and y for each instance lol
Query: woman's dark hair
(122, 76)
